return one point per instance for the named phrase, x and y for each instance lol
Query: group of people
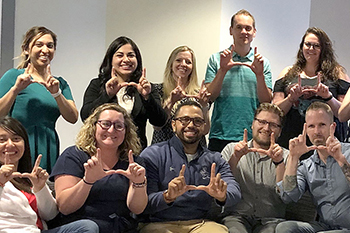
(110, 181)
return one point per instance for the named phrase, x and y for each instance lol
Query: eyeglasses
(106, 124)
(314, 45)
(271, 124)
(185, 120)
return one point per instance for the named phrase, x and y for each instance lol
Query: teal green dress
(38, 111)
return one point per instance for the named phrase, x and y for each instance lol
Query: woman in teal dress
(36, 98)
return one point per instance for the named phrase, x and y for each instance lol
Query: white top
(16, 215)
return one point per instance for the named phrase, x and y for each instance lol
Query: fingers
(332, 130)
(48, 70)
(245, 136)
(131, 158)
(299, 81)
(28, 69)
(144, 72)
(255, 50)
(37, 163)
(304, 131)
(212, 171)
(98, 156)
(232, 48)
(182, 171)
(132, 84)
(113, 72)
(272, 141)
(7, 158)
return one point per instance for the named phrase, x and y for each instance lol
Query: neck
(39, 73)
(258, 146)
(109, 158)
(323, 154)
(310, 69)
(190, 148)
(242, 50)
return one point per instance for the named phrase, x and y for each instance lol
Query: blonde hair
(86, 140)
(31, 36)
(169, 82)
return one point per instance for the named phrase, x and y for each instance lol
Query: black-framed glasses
(273, 125)
(106, 124)
(310, 45)
(185, 120)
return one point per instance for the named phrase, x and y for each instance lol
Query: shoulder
(228, 151)
(284, 72)
(12, 73)
(342, 74)
(154, 151)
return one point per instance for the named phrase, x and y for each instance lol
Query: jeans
(304, 227)
(80, 226)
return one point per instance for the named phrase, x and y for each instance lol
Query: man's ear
(173, 125)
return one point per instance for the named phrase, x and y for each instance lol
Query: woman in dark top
(121, 80)
(315, 76)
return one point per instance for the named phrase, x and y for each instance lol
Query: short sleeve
(279, 86)
(64, 86)
(8, 80)
(212, 68)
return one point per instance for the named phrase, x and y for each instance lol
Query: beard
(190, 140)
(264, 143)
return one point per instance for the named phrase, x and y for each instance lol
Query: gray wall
(86, 27)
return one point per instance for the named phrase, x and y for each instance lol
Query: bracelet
(328, 99)
(277, 163)
(58, 93)
(166, 199)
(88, 183)
(140, 185)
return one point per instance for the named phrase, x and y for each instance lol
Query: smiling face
(188, 133)
(262, 127)
(182, 65)
(311, 48)
(12, 145)
(318, 126)
(243, 31)
(110, 138)
(124, 61)
(42, 51)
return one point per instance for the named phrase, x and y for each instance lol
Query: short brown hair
(323, 106)
(242, 12)
(268, 107)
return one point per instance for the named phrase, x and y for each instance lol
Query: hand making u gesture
(114, 84)
(38, 176)
(275, 152)
(7, 171)
(297, 145)
(51, 84)
(144, 86)
(24, 80)
(135, 172)
(226, 62)
(217, 187)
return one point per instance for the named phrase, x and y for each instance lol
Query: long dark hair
(327, 63)
(106, 66)
(13, 126)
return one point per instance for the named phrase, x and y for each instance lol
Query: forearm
(344, 110)
(290, 174)
(137, 199)
(280, 169)
(345, 167)
(71, 199)
(207, 120)
(67, 109)
(7, 101)
(264, 93)
(284, 104)
(214, 87)
(335, 105)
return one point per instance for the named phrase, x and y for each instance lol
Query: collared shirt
(256, 175)
(329, 188)
(235, 106)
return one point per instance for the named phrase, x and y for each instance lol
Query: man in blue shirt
(239, 79)
(326, 174)
(184, 178)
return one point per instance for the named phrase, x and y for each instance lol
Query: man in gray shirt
(326, 174)
(258, 165)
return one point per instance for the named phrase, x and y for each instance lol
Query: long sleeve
(46, 204)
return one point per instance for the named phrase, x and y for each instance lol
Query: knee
(89, 226)
(286, 227)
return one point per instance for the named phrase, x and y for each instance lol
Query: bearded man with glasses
(258, 165)
(184, 178)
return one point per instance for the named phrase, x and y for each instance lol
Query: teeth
(10, 153)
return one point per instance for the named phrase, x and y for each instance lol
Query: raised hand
(217, 187)
(257, 65)
(295, 91)
(24, 80)
(241, 148)
(51, 84)
(114, 84)
(7, 171)
(275, 152)
(178, 93)
(135, 172)
(38, 176)
(177, 186)
(203, 95)
(226, 61)
(94, 169)
(333, 145)
(297, 146)
(144, 86)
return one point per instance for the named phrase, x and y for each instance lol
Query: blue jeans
(80, 226)
(305, 227)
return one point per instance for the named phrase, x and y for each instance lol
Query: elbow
(64, 208)
(342, 117)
